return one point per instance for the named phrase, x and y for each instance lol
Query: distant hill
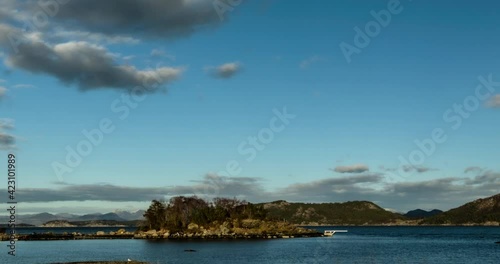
(65, 223)
(129, 216)
(36, 219)
(348, 213)
(108, 216)
(481, 211)
(39, 219)
(419, 213)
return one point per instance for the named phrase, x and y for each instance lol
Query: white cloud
(161, 54)
(87, 65)
(6, 123)
(226, 70)
(22, 86)
(97, 38)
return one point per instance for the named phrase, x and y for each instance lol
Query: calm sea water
(359, 245)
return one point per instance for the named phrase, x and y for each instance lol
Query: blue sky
(231, 77)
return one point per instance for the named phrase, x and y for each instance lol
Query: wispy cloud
(97, 38)
(487, 177)
(324, 190)
(419, 169)
(473, 169)
(7, 141)
(309, 61)
(356, 168)
(158, 53)
(409, 168)
(22, 86)
(93, 192)
(3, 91)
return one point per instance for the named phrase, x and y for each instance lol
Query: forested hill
(348, 213)
(481, 211)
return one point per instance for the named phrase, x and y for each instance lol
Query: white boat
(332, 232)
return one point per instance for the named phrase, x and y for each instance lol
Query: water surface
(359, 245)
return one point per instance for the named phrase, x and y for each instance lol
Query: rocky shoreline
(250, 229)
(154, 235)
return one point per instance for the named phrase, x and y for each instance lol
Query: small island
(194, 218)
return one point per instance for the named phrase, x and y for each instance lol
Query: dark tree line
(181, 211)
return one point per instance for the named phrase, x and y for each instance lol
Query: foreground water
(359, 245)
